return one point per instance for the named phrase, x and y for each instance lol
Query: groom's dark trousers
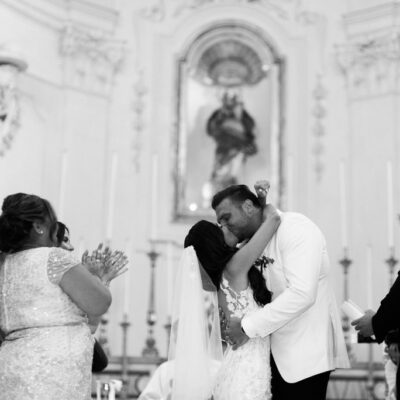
(313, 388)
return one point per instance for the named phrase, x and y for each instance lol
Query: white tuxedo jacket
(303, 318)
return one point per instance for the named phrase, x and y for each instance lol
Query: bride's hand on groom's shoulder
(262, 188)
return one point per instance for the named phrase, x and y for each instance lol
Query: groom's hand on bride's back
(237, 336)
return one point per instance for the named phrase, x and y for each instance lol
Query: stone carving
(319, 113)
(154, 11)
(289, 10)
(138, 107)
(92, 58)
(370, 65)
(10, 66)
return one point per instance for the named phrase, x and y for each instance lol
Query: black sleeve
(388, 315)
(100, 360)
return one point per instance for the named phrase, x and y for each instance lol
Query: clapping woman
(45, 297)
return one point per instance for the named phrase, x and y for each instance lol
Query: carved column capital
(10, 67)
(92, 58)
(370, 64)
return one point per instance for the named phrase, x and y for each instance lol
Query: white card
(352, 310)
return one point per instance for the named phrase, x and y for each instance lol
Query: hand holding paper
(364, 324)
(352, 310)
(362, 321)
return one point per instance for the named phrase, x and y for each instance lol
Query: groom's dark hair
(237, 193)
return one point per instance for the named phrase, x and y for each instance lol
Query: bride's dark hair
(213, 253)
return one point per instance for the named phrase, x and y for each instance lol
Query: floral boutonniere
(263, 262)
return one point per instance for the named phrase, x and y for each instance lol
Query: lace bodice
(238, 303)
(245, 373)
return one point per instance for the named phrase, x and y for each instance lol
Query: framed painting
(230, 117)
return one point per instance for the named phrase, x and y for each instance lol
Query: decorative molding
(274, 6)
(319, 114)
(370, 65)
(54, 13)
(138, 108)
(92, 58)
(286, 10)
(155, 11)
(10, 66)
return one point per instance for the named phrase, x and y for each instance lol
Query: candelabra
(150, 349)
(167, 327)
(345, 262)
(124, 359)
(370, 385)
(391, 262)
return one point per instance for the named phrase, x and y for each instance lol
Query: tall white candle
(126, 277)
(343, 204)
(290, 182)
(154, 197)
(98, 390)
(111, 199)
(81, 247)
(390, 212)
(369, 275)
(169, 278)
(63, 183)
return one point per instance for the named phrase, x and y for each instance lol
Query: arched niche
(229, 115)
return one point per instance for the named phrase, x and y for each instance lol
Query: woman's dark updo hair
(62, 229)
(213, 253)
(19, 212)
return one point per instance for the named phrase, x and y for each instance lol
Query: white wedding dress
(197, 369)
(245, 373)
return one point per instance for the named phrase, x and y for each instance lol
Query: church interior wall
(75, 124)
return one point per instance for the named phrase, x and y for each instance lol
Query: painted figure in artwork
(233, 130)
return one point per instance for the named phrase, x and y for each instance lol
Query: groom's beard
(245, 235)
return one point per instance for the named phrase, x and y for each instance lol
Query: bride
(216, 282)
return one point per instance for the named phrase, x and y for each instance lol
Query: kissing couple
(254, 316)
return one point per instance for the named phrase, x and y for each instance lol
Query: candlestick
(111, 200)
(390, 213)
(369, 276)
(98, 390)
(124, 359)
(290, 182)
(63, 182)
(391, 262)
(167, 327)
(154, 197)
(127, 278)
(81, 247)
(169, 278)
(345, 262)
(343, 204)
(370, 384)
(150, 349)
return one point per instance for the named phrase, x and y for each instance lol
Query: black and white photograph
(200, 199)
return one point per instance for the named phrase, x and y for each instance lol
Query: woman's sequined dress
(48, 348)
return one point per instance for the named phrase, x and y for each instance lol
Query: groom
(306, 335)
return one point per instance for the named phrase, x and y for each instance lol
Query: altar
(357, 383)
